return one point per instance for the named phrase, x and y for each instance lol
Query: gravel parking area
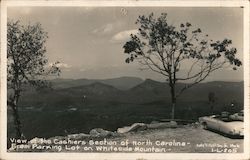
(184, 139)
(195, 139)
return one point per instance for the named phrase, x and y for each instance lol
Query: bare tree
(181, 54)
(26, 63)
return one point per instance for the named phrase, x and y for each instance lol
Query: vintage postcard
(124, 80)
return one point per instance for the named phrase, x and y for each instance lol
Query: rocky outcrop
(133, 127)
(142, 126)
(99, 132)
(171, 124)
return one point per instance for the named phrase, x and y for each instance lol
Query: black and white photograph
(125, 79)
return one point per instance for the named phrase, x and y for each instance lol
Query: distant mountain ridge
(136, 90)
(214, 86)
(96, 88)
(122, 83)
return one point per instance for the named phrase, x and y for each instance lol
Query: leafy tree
(168, 50)
(27, 64)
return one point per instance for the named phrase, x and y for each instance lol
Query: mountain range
(122, 83)
(77, 106)
(131, 90)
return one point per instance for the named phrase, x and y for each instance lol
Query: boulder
(133, 127)
(171, 124)
(99, 132)
(153, 122)
(194, 125)
(78, 136)
(36, 140)
(58, 137)
(158, 125)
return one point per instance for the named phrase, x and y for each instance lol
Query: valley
(74, 106)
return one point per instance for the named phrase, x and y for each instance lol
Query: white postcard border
(3, 99)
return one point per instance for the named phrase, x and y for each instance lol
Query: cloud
(25, 11)
(108, 28)
(123, 35)
(61, 65)
(104, 29)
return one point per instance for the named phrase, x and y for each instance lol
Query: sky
(88, 41)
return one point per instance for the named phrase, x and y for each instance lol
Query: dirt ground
(185, 139)
(197, 140)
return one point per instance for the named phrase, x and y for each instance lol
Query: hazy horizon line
(143, 79)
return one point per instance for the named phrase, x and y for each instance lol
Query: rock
(99, 132)
(159, 125)
(58, 137)
(78, 136)
(194, 125)
(133, 127)
(36, 140)
(171, 124)
(123, 129)
(153, 122)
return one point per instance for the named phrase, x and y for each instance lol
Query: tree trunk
(17, 122)
(212, 108)
(173, 100)
(173, 110)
